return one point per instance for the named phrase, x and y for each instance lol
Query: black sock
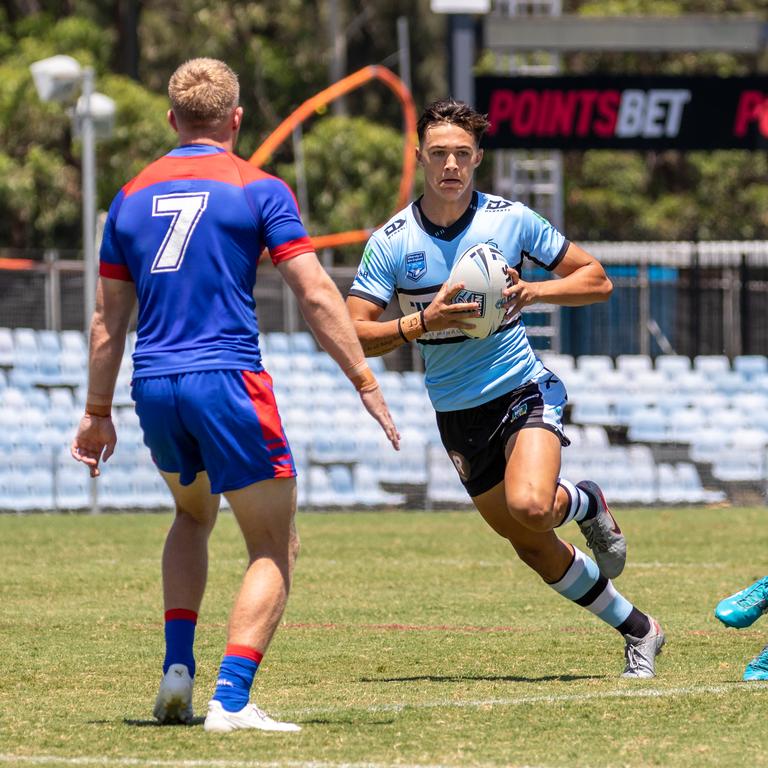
(591, 505)
(636, 624)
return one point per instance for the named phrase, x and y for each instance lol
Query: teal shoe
(757, 669)
(744, 608)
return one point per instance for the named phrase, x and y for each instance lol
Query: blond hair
(203, 92)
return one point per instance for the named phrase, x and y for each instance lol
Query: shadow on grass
(481, 678)
(155, 724)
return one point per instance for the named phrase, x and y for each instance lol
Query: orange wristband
(98, 405)
(362, 377)
(411, 326)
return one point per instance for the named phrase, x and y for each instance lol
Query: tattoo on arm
(382, 345)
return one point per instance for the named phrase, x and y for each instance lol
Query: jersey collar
(449, 232)
(196, 150)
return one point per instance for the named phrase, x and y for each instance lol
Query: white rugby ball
(483, 270)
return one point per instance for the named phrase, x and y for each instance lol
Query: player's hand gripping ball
(483, 270)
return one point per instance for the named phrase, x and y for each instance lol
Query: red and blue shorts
(221, 422)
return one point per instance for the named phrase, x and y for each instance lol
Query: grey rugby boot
(603, 535)
(641, 652)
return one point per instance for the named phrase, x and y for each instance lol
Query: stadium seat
(711, 364)
(303, 341)
(6, 348)
(672, 365)
(648, 425)
(751, 366)
(594, 364)
(633, 364)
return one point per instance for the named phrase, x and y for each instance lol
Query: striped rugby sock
(238, 668)
(581, 506)
(180, 626)
(584, 584)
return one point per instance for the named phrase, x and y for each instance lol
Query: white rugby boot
(219, 720)
(174, 699)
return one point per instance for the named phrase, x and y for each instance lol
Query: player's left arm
(96, 438)
(582, 280)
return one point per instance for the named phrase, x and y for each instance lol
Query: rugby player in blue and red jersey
(499, 410)
(184, 238)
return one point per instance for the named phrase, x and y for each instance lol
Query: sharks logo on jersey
(411, 258)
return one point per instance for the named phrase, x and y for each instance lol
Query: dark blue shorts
(222, 422)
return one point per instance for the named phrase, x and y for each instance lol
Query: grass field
(410, 639)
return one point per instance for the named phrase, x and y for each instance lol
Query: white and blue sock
(581, 505)
(586, 586)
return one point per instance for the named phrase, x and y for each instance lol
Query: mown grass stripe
(639, 693)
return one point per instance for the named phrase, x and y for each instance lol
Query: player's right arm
(96, 438)
(374, 286)
(378, 338)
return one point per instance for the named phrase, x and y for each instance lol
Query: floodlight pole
(88, 138)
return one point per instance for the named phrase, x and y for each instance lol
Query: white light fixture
(59, 78)
(56, 78)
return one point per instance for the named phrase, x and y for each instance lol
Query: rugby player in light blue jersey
(499, 410)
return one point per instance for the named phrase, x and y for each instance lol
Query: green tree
(352, 175)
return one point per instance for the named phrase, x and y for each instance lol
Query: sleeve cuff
(291, 249)
(115, 271)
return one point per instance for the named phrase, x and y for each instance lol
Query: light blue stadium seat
(672, 365)
(73, 490)
(278, 343)
(560, 364)
(594, 409)
(633, 364)
(49, 343)
(751, 366)
(740, 464)
(303, 341)
(711, 364)
(594, 364)
(648, 425)
(6, 348)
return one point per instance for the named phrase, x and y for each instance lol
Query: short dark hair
(456, 113)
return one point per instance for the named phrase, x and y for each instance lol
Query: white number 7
(186, 209)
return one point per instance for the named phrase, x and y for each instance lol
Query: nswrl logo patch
(416, 265)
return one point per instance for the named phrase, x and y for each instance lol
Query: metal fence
(681, 297)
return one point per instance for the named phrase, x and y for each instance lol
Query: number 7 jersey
(188, 231)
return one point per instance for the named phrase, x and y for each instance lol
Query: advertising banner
(630, 112)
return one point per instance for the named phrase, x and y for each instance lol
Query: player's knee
(535, 514)
(294, 546)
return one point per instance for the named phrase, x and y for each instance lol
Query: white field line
(638, 693)
(137, 762)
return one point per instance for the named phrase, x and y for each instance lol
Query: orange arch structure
(312, 106)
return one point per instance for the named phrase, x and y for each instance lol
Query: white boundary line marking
(136, 762)
(638, 693)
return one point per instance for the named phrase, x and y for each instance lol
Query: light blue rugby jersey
(412, 257)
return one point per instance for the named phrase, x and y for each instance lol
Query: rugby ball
(483, 270)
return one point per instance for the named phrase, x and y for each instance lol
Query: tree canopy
(282, 51)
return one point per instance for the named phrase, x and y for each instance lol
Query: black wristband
(423, 320)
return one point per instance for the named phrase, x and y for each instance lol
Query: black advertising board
(629, 112)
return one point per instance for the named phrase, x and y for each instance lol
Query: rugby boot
(603, 535)
(219, 720)
(641, 652)
(757, 669)
(745, 607)
(174, 699)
